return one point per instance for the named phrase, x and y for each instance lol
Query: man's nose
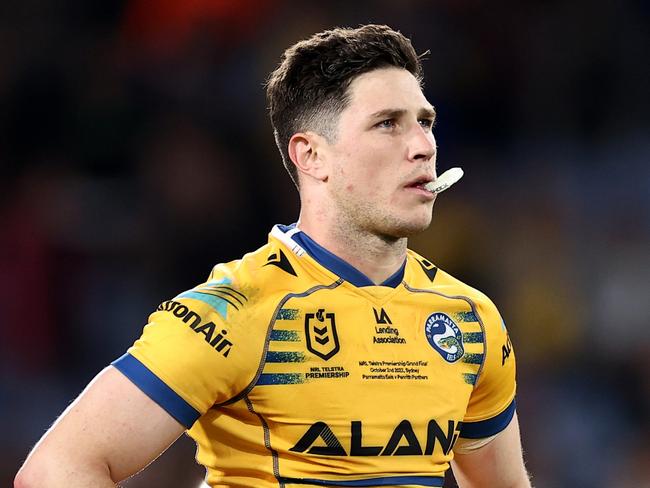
(422, 144)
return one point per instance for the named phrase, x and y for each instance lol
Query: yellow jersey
(290, 368)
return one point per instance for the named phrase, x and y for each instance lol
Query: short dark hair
(309, 88)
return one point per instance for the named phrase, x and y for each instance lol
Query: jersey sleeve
(188, 357)
(492, 403)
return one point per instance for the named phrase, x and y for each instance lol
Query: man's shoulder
(427, 275)
(268, 272)
(242, 291)
(272, 266)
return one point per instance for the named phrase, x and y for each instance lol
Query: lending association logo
(320, 330)
(444, 336)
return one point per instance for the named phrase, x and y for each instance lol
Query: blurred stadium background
(135, 153)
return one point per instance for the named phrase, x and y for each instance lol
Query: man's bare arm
(109, 433)
(498, 463)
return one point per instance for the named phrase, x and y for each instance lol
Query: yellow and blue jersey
(290, 368)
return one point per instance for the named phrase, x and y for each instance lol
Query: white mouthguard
(445, 180)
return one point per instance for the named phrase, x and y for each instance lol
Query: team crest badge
(444, 336)
(320, 331)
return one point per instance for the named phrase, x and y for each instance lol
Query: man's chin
(407, 229)
(415, 230)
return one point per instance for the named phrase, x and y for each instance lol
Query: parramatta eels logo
(444, 336)
(320, 330)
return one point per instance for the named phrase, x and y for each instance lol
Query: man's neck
(375, 256)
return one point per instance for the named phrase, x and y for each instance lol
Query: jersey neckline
(335, 264)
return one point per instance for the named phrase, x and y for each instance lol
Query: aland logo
(444, 336)
(320, 330)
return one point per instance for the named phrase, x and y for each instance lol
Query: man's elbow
(522, 482)
(44, 472)
(30, 475)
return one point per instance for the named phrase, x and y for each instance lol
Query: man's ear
(306, 151)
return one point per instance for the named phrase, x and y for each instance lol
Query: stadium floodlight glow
(445, 180)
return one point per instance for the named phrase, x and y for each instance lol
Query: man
(332, 356)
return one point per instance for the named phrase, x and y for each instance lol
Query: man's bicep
(497, 463)
(113, 425)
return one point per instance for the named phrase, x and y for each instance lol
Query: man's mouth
(420, 182)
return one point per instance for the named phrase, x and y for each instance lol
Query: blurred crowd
(136, 153)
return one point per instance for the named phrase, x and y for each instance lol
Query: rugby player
(333, 355)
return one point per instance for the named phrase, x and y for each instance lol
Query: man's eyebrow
(394, 113)
(428, 112)
(388, 113)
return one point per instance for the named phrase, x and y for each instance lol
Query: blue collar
(338, 266)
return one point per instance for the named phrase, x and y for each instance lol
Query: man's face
(384, 151)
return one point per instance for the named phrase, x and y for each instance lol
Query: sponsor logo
(385, 334)
(209, 330)
(321, 440)
(381, 317)
(389, 335)
(429, 269)
(506, 349)
(444, 336)
(320, 372)
(280, 260)
(320, 330)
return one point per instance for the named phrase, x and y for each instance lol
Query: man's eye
(386, 124)
(427, 123)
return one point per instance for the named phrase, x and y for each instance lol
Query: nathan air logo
(208, 330)
(321, 440)
(280, 260)
(444, 336)
(320, 330)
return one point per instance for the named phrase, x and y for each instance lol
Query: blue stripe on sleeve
(156, 389)
(435, 481)
(489, 427)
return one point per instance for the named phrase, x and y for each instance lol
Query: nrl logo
(320, 331)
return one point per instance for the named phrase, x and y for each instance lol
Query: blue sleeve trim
(489, 427)
(156, 389)
(435, 481)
